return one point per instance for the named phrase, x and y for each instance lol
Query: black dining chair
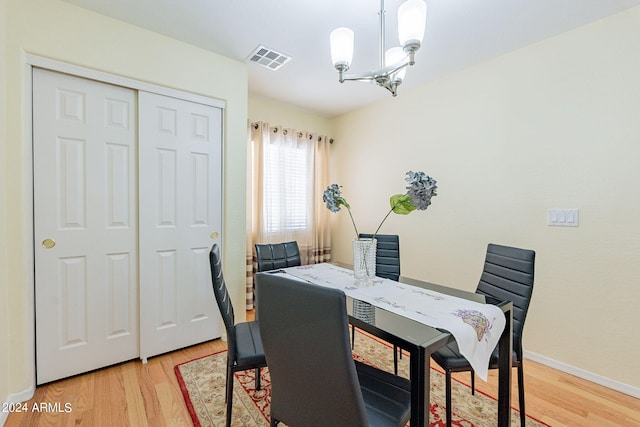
(387, 266)
(272, 256)
(243, 339)
(507, 276)
(387, 255)
(343, 392)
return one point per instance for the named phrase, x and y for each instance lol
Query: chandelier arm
(373, 75)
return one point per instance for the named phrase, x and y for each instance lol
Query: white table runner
(476, 327)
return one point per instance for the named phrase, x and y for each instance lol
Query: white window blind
(285, 188)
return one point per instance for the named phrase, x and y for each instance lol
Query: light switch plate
(562, 217)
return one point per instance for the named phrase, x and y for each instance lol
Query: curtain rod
(256, 125)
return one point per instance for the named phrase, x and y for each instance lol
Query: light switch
(562, 217)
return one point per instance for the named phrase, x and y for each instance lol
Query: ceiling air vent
(268, 58)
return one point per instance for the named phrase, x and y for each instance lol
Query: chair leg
(257, 378)
(523, 415)
(228, 383)
(473, 382)
(448, 397)
(395, 360)
(229, 396)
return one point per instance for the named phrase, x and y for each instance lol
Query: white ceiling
(459, 34)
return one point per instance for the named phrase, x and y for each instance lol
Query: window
(287, 173)
(286, 187)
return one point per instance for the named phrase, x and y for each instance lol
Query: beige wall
(58, 30)
(553, 125)
(281, 114)
(4, 300)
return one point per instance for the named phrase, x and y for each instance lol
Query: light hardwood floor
(133, 394)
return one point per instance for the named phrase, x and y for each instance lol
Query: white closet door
(85, 224)
(180, 173)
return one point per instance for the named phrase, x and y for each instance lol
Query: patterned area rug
(203, 381)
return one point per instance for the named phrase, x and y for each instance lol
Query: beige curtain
(274, 156)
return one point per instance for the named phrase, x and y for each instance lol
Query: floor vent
(268, 58)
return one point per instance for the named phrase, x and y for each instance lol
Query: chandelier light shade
(412, 17)
(393, 56)
(341, 46)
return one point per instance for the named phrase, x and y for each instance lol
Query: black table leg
(419, 374)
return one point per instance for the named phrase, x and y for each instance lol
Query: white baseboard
(23, 396)
(581, 373)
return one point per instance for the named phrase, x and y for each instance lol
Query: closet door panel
(180, 185)
(85, 224)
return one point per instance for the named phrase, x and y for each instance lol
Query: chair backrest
(222, 296)
(387, 255)
(508, 275)
(272, 256)
(304, 330)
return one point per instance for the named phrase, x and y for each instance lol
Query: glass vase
(364, 311)
(364, 261)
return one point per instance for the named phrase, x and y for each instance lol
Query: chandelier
(412, 16)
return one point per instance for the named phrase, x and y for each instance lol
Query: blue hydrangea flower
(333, 198)
(421, 189)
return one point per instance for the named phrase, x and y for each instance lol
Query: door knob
(48, 243)
(214, 235)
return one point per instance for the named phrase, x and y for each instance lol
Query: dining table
(420, 340)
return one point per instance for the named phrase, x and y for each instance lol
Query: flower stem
(385, 218)
(353, 222)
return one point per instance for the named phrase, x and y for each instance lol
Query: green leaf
(342, 201)
(401, 204)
